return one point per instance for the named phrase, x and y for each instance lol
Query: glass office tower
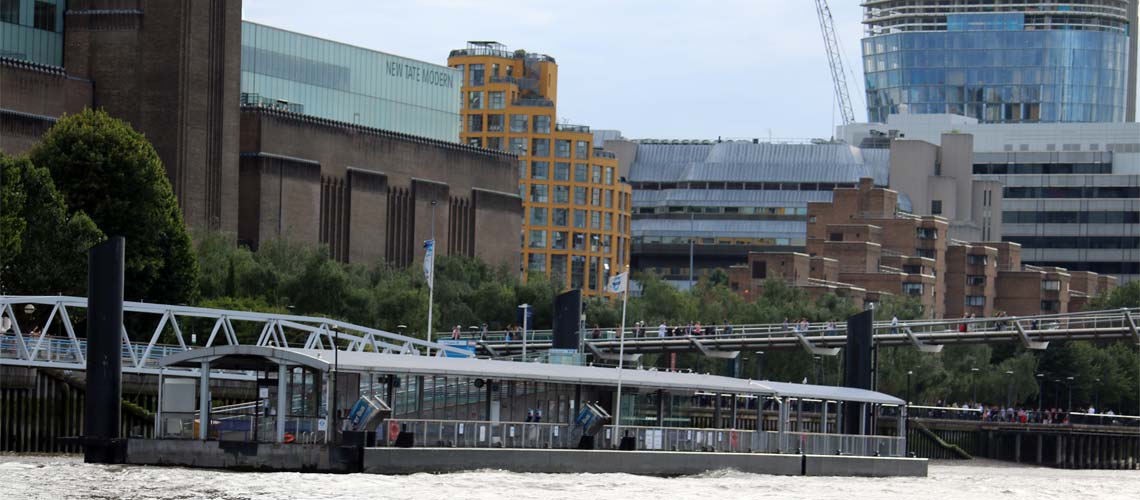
(313, 76)
(1001, 61)
(32, 31)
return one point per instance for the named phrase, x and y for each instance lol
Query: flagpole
(621, 356)
(431, 275)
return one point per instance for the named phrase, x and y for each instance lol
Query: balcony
(566, 127)
(540, 102)
(600, 153)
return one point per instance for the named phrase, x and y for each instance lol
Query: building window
(540, 147)
(595, 219)
(596, 197)
(562, 148)
(538, 239)
(10, 11)
(759, 270)
(577, 270)
(976, 260)
(926, 233)
(595, 242)
(476, 75)
(495, 143)
(927, 253)
(536, 262)
(475, 141)
(580, 172)
(539, 170)
(608, 196)
(518, 146)
(494, 123)
(518, 123)
(975, 280)
(1051, 285)
(597, 177)
(475, 99)
(495, 100)
(522, 169)
(45, 16)
(474, 123)
(835, 237)
(538, 193)
(976, 300)
(579, 241)
(582, 150)
(610, 175)
(593, 277)
(579, 196)
(1049, 305)
(538, 216)
(580, 219)
(558, 240)
(912, 288)
(559, 216)
(561, 194)
(542, 124)
(558, 270)
(935, 207)
(561, 171)
(608, 222)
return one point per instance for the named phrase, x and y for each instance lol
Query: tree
(109, 171)
(11, 204)
(50, 257)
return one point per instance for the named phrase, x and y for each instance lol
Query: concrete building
(730, 198)
(1002, 61)
(1070, 191)
(794, 268)
(338, 145)
(576, 205)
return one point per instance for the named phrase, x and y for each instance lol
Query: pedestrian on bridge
(661, 330)
(455, 333)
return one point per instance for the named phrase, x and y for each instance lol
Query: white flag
(429, 261)
(618, 283)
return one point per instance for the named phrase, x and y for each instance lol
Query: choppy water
(57, 478)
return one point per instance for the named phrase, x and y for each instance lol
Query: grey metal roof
(747, 162)
(719, 227)
(194, 357)
(588, 375)
(726, 198)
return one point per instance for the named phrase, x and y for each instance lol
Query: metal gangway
(153, 331)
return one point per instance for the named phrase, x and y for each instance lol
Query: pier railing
(483, 434)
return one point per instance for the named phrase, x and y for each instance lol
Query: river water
(67, 477)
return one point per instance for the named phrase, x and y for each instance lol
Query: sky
(660, 69)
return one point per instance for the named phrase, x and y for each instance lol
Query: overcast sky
(650, 68)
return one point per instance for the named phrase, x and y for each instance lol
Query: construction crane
(827, 27)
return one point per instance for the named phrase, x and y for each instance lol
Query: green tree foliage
(11, 204)
(109, 171)
(49, 256)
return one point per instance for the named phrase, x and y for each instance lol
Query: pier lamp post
(816, 362)
(1096, 394)
(974, 383)
(1009, 389)
(1040, 390)
(1070, 379)
(908, 374)
(759, 365)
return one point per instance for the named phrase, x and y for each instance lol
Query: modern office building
(1070, 191)
(266, 133)
(575, 204)
(730, 198)
(1001, 61)
(349, 84)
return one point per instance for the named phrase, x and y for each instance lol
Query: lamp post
(1096, 394)
(1009, 389)
(1040, 390)
(974, 382)
(908, 374)
(759, 365)
(430, 266)
(816, 362)
(1070, 379)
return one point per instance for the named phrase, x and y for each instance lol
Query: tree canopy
(109, 171)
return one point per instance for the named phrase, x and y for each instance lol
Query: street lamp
(908, 374)
(974, 382)
(816, 362)
(1096, 394)
(759, 365)
(1070, 379)
(1009, 389)
(1040, 390)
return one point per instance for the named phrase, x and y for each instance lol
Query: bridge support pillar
(1040, 447)
(1017, 448)
(735, 411)
(1058, 445)
(660, 407)
(717, 417)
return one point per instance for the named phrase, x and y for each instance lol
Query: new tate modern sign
(427, 76)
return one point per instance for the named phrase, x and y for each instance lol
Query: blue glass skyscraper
(1001, 61)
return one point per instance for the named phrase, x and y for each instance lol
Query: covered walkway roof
(234, 357)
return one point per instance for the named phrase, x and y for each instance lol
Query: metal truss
(24, 341)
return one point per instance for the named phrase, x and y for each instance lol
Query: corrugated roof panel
(719, 228)
(747, 162)
(726, 198)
